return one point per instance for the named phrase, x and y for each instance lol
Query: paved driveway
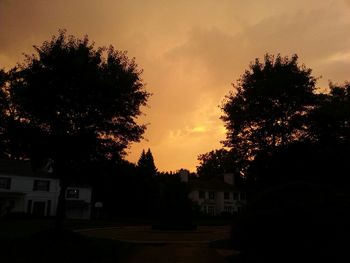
(166, 246)
(145, 234)
(175, 253)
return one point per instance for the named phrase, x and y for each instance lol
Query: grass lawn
(36, 241)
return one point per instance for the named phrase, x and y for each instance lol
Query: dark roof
(21, 168)
(214, 184)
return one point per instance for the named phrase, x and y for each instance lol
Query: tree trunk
(61, 206)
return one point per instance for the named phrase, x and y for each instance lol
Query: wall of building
(22, 197)
(84, 193)
(219, 202)
(83, 212)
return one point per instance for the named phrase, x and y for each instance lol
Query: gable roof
(21, 168)
(213, 184)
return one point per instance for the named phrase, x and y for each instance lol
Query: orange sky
(191, 51)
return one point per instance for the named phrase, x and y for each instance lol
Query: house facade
(217, 195)
(36, 193)
(78, 202)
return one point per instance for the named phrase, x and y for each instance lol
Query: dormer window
(73, 193)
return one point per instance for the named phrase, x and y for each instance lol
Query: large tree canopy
(268, 105)
(75, 104)
(13, 132)
(82, 100)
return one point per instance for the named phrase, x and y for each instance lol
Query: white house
(216, 195)
(36, 193)
(78, 202)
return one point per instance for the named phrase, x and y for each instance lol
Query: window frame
(7, 183)
(38, 188)
(212, 195)
(228, 209)
(75, 195)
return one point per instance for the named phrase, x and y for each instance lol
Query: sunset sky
(191, 51)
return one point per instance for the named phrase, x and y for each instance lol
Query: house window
(243, 197)
(211, 210)
(38, 208)
(73, 193)
(235, 196)
(41, 185)
(211, 195)
(226, 195)
(5, 182)
(29, 206)
(228, 209)
(48, 209)
(201, 195)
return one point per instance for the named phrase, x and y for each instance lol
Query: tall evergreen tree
(152, 170)
(146, 164)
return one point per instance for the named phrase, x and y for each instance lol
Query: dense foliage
(73, 103)
(268, 106)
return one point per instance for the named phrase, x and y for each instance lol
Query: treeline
(289, 142)
(140, 191)
(281, 127)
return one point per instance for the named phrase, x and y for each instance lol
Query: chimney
(229, 179)
(184, 175)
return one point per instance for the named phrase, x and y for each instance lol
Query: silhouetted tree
(83, 101)
(146, 164)
(3, 79)
(216, 162)
(330, 120)
(147, 187)
(14, 143)
(268, 106)
(296, 146)
(175, 208)
(117, 180)
(3, 109)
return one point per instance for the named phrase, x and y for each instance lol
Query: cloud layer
(191, 52)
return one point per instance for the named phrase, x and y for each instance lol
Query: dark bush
(291, 222)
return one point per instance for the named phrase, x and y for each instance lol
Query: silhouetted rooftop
(213, 184)
(21, 168)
